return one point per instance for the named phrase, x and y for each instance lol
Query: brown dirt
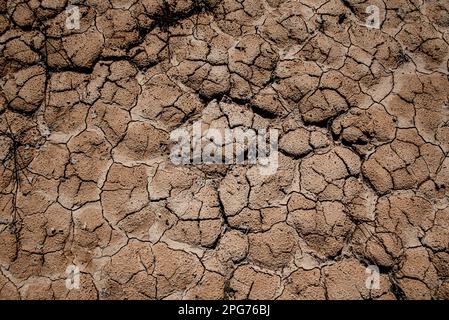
(86, 178)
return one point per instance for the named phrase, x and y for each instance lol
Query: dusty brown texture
(86, 179)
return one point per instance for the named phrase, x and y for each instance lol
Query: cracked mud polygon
(92, 207)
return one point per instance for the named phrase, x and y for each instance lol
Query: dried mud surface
(86, 179)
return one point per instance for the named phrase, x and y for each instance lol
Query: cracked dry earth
(86, 178)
